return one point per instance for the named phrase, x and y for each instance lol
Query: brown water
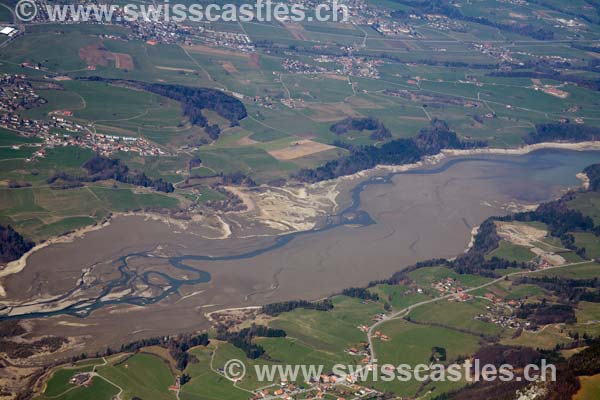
(418, 216)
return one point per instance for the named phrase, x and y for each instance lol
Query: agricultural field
(590, 386)
(331, 331)
(425, 277)
(143, 375)
(457, 315)
(207, 384)
(512, 252)
(412, 344)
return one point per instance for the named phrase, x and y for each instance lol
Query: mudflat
(418, 215)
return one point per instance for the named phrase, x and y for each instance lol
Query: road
(404, 311)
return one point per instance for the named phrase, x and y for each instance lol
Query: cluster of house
(285, 391)
(447, 285)
(500, 312)
(158, 31)
(58, 131)
(381, 336)
(346, 65)
(108, 144)
(326, 386)
(379, 317)
(233, 40)
(515, 2)
(443, 23)
(379, 18)
(497, 52)
(354, 351)
(460, 296)
(569, 23)
(26, 127)
(553, 59)
(299, 67)
(16, 93)
(353, 65)
(393, 28)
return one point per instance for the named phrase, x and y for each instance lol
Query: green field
(398, 296)
(11, 138)
(588, 204)
(99, 390)
(142, 375)
(425, 277)
(412, 344)
(331, 331)
(457, 315)
(588, 312)
(582, 271)
(41, 212)
(590, 387)
(59, 383)
(512, 252)
(207, 384)
(590, 242)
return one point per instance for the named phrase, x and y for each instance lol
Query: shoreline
(16, 266)
(448, 153)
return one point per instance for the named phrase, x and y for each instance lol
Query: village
(59, 131)
(16, 93)
(323, 387)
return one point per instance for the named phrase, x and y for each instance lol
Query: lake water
(398, 220)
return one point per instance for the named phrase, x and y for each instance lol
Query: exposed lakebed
(147, 276)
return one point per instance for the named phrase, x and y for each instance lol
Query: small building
(8, 31)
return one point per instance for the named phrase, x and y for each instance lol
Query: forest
(12, 244)
(243, 339)
(429, 141)
(562, 132)
(380, 132)
(193, 100)
(275, 309)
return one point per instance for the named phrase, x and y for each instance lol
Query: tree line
(593, 174)
(193, 100)
(570, 291)
(275, 309)
(563, 132)
(12, 244)
(360, 293)
(592, 84)
(429, 141)
(100, 168)
(243, 339)
(380, 132)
